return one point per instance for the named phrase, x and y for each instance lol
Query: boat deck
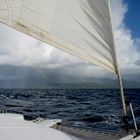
(14, 127)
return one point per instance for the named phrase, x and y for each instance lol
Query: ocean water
(85, 109)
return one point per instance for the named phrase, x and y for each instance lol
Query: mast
(122, 91)
(117, 68)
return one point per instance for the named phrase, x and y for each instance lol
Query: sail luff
(117, 67)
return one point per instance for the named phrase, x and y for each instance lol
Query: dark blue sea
(85, 109)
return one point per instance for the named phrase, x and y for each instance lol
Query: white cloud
(119, 9)
(127, 46)
(19, 49)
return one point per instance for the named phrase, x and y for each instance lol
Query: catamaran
(82, 28)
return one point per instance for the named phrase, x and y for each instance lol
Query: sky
(132, 18)
(20, 53)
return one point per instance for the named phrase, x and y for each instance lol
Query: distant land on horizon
(41, 84)
(29, 78)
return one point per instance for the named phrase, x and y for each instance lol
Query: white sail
(80, 27)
